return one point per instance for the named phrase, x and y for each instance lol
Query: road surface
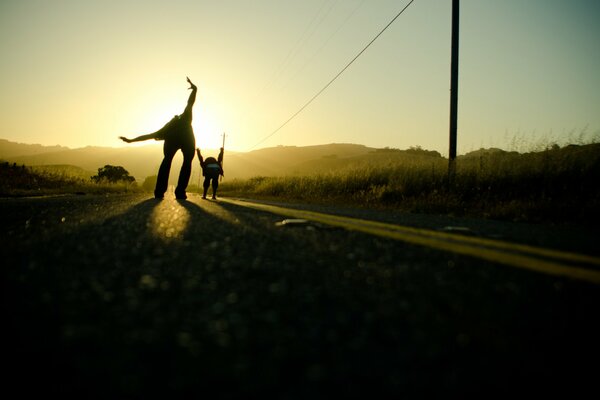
(127, 295)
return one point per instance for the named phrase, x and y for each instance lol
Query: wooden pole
(199, 175)
(223, 161)
(453, 92)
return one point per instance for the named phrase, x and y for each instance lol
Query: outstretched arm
(191, 99)
(139, 138)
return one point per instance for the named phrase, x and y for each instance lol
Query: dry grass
(20, 180)
(556, 184)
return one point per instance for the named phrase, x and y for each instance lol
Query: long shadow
(213, 299)
(101, 302)
(151, 299)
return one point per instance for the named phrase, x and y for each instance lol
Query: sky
(83, 72)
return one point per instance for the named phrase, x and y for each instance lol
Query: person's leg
(162, 181)
(186, 169)
(215, 185)
(206, 185)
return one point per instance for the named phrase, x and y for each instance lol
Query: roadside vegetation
(20, 180)
(553, 185)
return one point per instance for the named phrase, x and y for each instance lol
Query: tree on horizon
(113, 174)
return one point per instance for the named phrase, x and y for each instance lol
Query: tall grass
(555, 184)
(35, 181)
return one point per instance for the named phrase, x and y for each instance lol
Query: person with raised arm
(211, 169)
(178, 135)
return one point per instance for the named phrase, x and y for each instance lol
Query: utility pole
(223, 147)
(453, 92)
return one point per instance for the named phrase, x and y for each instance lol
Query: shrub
(113, 174)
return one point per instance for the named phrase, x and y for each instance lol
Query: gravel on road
(124, 295)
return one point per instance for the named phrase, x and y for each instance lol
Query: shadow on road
(168, 297)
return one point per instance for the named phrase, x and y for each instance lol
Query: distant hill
(139, 161)
(487, 152)
(12, 149)
(143, 160)
(286, 160)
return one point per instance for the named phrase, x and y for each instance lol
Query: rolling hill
(142, 161)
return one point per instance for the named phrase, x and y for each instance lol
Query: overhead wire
(333, 79)
(316, 53)
(291, 55)
(308, 31)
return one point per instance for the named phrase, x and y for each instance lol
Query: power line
(295, 50)
(334, 78)
(325, 43)
(308, 32)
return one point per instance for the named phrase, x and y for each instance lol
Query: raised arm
(191, 99)
(200, 158)
(220, 161)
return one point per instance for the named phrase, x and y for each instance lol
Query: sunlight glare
(169, 221)
(208, 130)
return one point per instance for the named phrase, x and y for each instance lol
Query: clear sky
(82, 72)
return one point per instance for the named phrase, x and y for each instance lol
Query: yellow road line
(513, 254)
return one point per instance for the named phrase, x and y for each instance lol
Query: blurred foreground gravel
(122, 295)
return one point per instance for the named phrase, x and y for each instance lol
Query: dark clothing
(170, 126)
(211, 169)
(178, 135)
(187, 146)
(208, 179)
(210, 165)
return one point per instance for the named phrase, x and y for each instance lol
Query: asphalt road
(130, 296)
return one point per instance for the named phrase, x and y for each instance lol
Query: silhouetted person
(177, 134)
(211, 169)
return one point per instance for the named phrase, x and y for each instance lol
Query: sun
(151, 113)
(207, 130)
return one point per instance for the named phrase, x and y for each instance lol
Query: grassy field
(558, 184)
(20, 180)
(553, 185)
